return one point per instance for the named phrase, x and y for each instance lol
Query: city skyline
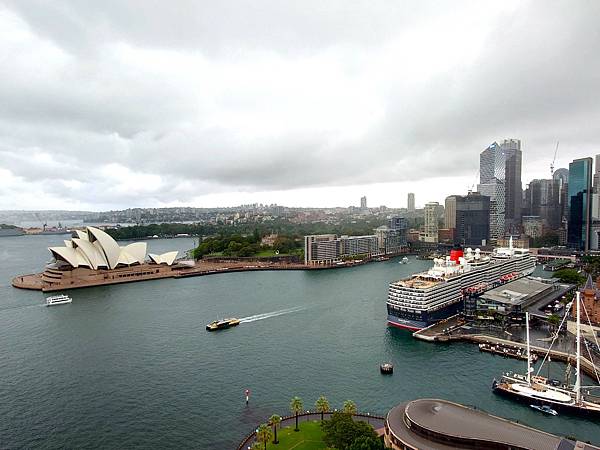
(330, 104)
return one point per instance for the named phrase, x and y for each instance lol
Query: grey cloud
(536, 78)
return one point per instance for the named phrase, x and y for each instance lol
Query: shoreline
(53, 280)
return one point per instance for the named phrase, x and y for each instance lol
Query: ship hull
(418, 321)
(570, 409)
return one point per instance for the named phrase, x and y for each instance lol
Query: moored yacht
(540, 391)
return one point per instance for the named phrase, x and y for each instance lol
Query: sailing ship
(543, 392)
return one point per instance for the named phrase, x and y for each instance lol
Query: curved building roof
(95, 249)
(440, 424)
(166, 258)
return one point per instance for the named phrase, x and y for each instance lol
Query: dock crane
(554, 159)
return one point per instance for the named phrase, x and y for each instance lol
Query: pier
(452, 329)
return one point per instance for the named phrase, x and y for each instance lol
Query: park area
(310, 437)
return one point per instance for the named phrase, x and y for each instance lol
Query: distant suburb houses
(324, 249)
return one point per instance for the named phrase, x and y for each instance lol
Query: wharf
(443, 332)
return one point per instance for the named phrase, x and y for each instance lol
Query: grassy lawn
(308, 438)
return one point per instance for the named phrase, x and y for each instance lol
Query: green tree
(275, 420)
(554, 319)
(367, 443)
(322, 405)
(570, 276)
(296, 406)
(263, 434)
(350, 407)
(340, 431)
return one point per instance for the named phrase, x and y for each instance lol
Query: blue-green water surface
(132, 366)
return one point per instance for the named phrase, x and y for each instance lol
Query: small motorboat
(58, 300)
(545, 409)
(222, 324)
(386, 368)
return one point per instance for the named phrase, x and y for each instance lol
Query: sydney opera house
(95, 249)
(94, 258)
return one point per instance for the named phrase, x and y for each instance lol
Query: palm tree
(350, 407)
(322, 405)
(275, 420)
(296, 408)
(256, 446)
(263, 434)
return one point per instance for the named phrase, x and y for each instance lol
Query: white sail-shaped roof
(165, 258)
(75, 257)
(137, 250)
(95, 249)
(94, 255)
(108, 245)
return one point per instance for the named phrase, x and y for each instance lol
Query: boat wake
(268, 315)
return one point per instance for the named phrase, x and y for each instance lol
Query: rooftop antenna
(554, 159)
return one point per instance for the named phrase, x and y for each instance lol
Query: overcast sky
(107, 104)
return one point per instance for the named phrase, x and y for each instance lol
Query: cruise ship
(428, 297)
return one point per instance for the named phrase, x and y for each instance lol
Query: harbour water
(131, 366)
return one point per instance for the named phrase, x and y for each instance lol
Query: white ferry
(58, 300)
(428, 297)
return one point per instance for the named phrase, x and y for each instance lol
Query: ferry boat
(428, 297)
(58, 300)
(538, 390)
(222, 324)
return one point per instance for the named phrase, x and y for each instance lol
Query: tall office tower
(562, 176)
(411, 202)
(492, 168)
(543, 200)
(580, 189)
(430, 227)
(472, 219)
(513, 195)
(596, 179)
(363, 202)
(450, 212)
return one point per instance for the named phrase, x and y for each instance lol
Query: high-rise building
(430, 228)
(580, 189)
(390, 240)
(533, 226)
(500, 179)
(492, 168)
(363, 202)
(511, 148)
(450, 212)
(411, 202)
(472, 219)
(542, 199)
(596, 179)
(562, 176)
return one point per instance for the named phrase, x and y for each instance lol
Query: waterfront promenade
(145, 272)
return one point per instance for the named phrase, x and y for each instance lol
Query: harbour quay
(433, 424)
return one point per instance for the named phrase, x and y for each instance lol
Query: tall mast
(578, 341)
(528, 349)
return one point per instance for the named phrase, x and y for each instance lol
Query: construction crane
(471, 187)
(553, 160)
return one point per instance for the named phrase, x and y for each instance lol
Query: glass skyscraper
(500, 180)
(579, 198)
